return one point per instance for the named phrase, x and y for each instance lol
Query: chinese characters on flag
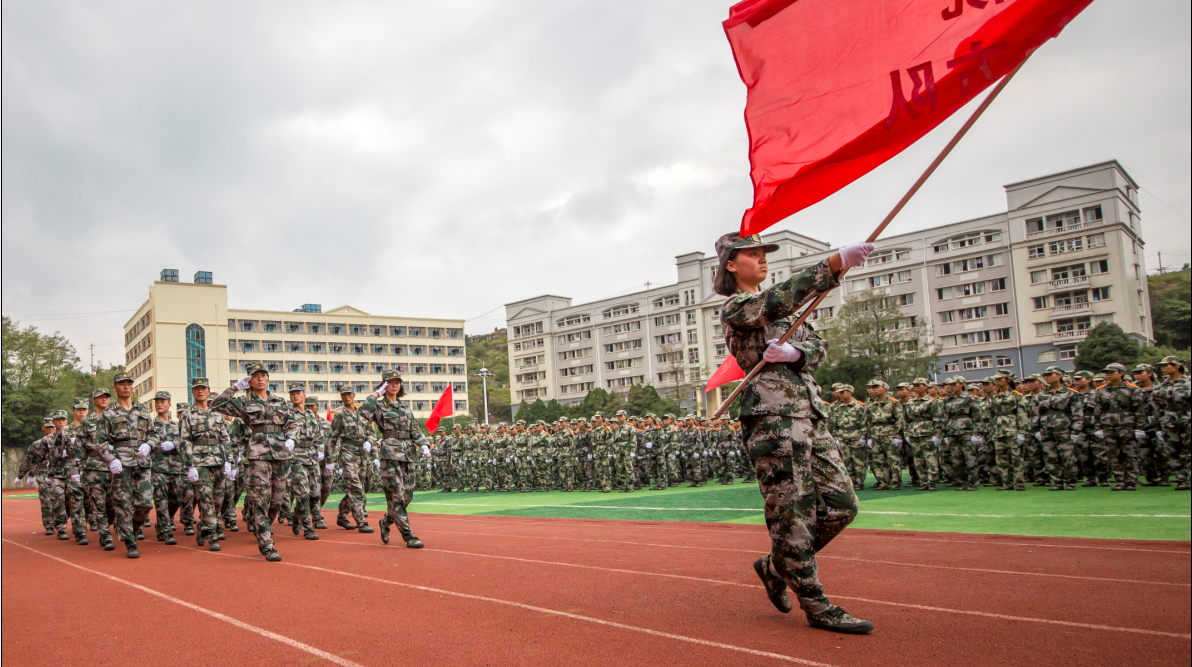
(837, 87)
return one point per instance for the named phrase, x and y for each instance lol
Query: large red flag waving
(445, 407)
(729, 371)
(837, 87)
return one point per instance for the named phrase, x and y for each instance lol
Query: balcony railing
(1067, 283)
(1066, 229)
(1069, 335)
(1071, 309)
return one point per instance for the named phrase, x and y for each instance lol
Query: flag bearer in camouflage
(76, 494)
(1057, 424)
(351, 443)
(206, 449)
(1007, 431)
(808, 496)
(127, 428)
(962, 414)
(304, 471)
(272, 439)
(170, 485)
(1152, 455)
(924, 431)
(847, 422)
(34, 468)
(1173, 397)
(62, 466)
(402, 443)
(886, 428)
(1118, 411)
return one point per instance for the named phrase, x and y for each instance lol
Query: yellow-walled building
(186, 330)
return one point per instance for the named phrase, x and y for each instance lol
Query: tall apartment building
(186, 330)
(1016, 290)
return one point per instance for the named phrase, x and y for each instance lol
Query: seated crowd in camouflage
(1053, 429)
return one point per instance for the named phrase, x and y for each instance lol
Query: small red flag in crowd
(729, 371)
(445, 407)
(837, 87)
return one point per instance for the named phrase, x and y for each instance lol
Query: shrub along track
(514, 590)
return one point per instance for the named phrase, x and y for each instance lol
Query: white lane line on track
(1184, 553)
(544, 610)
(966, 612)
(294, 643)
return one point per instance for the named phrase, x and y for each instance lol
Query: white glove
(72, 440)
(1021, 438)
(696, 455)
(380, 391)
(242, 383)
(319, 456)
(330, 466)
(1039, 436)
(227, 468)
(116, 467)
(589, 458)
(143, 450)
(233, 473)
(29, 480)
(869, 443)
(425, 451)
(852, 256)
(377, 463)
(167, 446)
(612, 456)
(861, 442)
(1099, 434)
(74, 478)
(897, 442)
(193, 475)
(289, 445)
(367, 446)
(632, 455)
(781, 354)
(935, 440)
(1162, 437)
(508, 461)
(649, 445)
(1140, 435)
(976, 439)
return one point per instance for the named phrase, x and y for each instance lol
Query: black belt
(205, 442)
(400, 435)
(266, 429)
(357, 443)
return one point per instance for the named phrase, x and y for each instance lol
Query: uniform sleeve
(33, 458)
(368, 409)
(1139, 408)
(865, 422)
(754, 311)
(900, 420)
(225, 441)
(227, 404)
(291, 427)
(186, 446)
(1076, 414)
(98, 443)
(337, 427)
(1022, 420)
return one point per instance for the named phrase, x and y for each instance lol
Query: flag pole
(813, 300)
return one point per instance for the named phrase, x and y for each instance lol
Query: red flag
(445, 407)
(729, 371)
(837, 87)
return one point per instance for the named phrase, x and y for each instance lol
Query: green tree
(490, 351)
(1171, 308)
(644, 399)
(1106, 344)
(1153, 355)
(597, 400)
(847, 370)
(29, 354)
(870, 332)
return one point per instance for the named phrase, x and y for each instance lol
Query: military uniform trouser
(925, 453)
(226, 505)
(659, 468)
(626, 476)
(264, 487)
(45, 500)
(171, 493)
(66, 498)
(856, 460)
(398, 482)
(1032, 458)
(1153, 457)
(132, 500)
(566, 473)
(97, 486)
(326, 481)
(907, 455)
(304, 483)
(605, 462)
(807, 494)
(887, 463)
(1008, 452)
(351, 471)
(211, 490)
(695, 468)
(963, 454)
(1059, 455)
(1179, 452)
(1090, 458)
(1122, 451)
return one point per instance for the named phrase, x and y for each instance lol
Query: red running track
(523, 591)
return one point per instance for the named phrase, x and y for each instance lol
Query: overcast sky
(441, 159)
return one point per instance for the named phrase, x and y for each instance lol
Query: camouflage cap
(121, 377)
(1138, 368)
(456, 427)
(669, 415)
(1173, 360)
(1005, 374)
(582, 419)
(502, 425)
(346, 389)
(922, 381)
(181, 406)
(836, 386)
(904, 385)
(1121, 368)
(199, 382)
(162, 395)
(253, 369)
(390, 375)
(101, 391)
(1098, 376)
(598, 413)
(847, 387)
(520, 422)
(689, 418)
(440, 430)
(46, 422)
(297, 386)
(1033, 376)
(621, 412)
(988, 380)
(1088, 375)
(973, 386)
(81, 403)
(58, 414)
(311, 400)
(651, 415)
(1053, 369)
(726, 244)
(955, 379)
(540, 423)
(632, 418)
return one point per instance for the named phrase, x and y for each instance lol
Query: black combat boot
(836, 619)
(132, 549)
(384, 525)
(364, 527)
(272, 556)
(775, 586)
(344, 523)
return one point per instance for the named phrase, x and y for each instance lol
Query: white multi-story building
(186, 330)
(1016, 290)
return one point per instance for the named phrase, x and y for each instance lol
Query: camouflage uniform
(585, 458)
(565, 451)
(1118, 411)
(36, 465)
(885, 429)
(63, 457)
(658, 444)
(443, 460)
(1173, 399)
(271, 439)
(206, 448)
(326, 473)
(1152, 454)
(924, 430)
(349, 431)
(808, 496)
(602, 453)
(96, 477)
(401, 439)
(75, 491)
(1032, 449)
(847, 423)
(962, 414)
(304, 472)
(1008, 423)
(624, 447)
(502, 452)
(171, 489)
(1090, 450)
(238, 434)
(119, 432)
(1057, 424)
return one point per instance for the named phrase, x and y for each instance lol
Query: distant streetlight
(484, 375)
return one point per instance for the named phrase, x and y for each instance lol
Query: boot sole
(859, 629)
(763, 575)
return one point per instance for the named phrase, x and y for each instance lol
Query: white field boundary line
(966, 612)
(293, 643)
(544, 610)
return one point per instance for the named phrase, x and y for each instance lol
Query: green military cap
(181, 406)
(121, 377)
(1099, 376)
(836, 386)
(955, 379)
(58, 414)
(1143, 367)
(456, 427)
(922, 381)
(904, 384)
(297, 386)
(1088, 375)
(669, 415)
(346, 389)
(1033, 376)
(1173, 360)
(631, 418)
(598, 413)
(689, 418)
(973, 385)
(440, 430)
(846, 387)
(651, 415)
(520, 422)
(102, 391)
(725, 245)
(1004, 374)
(163, 395)
(310, 400)
(256, 368)
(572, 421)
(581, 419)
(621, 412)
(199, 382)
(390, 375)
(81, 403)
(46, 422)
(875, 382)
(988, 379)
(540, 423)
(1121, 368)
(1053, 369)
(502, 425)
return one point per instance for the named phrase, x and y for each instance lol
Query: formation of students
(626, 453)
(1054, 429)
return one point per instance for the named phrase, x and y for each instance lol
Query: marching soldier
(1174, 398)
(35, 468)
(170, 486)
(351, 442)
(1008, 423)
(127, 429)
(962, 414)
(206, 456)
(401, 444)
(1118, 411)
(97, 475)
(76, 494)
(304, 472)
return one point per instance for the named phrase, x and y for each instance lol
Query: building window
(624, 345)
(1001, 334)
(951, 366)
(664, 339)
(1067, 352)
(691, 317)
(270, 327)
(947, 341)
(689, 296)
(665, 301)
(573, 320)
(315, 328)
(991, 237)
(1041, 302)
(1096, 240)
(1043, 329)
(624, 327)
(976, 363)
(397, 332)
(1035, 251)
(1039, 276)
(1004, 362)
(1001, 309)
(997, 285)
(693, 355)
(1065, 246)
(201, 277)
(620, 310)
(1092, 214)
(944, 269)
(196, 354)
(721, 349)
(941, 247)
(1100, 294)
(315, 367)
(271, 346)
(571, 337)
(293, 327)
(420, 332)
(692, 335)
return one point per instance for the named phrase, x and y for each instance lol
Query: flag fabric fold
(837, 87)
(445, 407)
(729, 371)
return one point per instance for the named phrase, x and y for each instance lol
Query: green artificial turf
(1145, 514)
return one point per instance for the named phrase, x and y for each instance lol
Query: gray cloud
(441, 159)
